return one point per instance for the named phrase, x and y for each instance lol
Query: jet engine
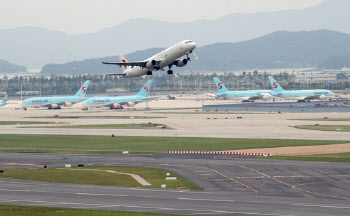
(68, 104)
(53, 106)
(211, 95)
(130, 104)
(265, 96)
(151, 64)
(116, 106)
(181, 63)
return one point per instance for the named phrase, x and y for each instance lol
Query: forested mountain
(321, 48)
(7, 67)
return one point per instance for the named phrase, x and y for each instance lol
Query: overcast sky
(86, 16)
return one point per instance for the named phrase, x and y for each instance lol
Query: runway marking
(233, 180)
(142, 207)
(296, 176)
(19, 164)
(323, 206)
(211, 200)
(293, 186)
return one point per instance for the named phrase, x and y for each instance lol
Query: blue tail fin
(5, 99)
(221, 87)
(275, 86)
(145, 89)
(83, 89)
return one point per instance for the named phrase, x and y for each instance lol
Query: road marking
(234, 180)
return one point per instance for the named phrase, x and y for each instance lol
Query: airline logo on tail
(83, 89)
(145, 89)
(123, 60)
(274, 85)
(219, 85)
(4, 99)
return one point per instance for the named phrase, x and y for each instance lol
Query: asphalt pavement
(232, 185)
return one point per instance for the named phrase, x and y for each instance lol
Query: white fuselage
(166, 57)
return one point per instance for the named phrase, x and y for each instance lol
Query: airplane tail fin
(145, 89)
(83, 89)
(5, 99)
(123, 59)
(221, 87)
(275, 86)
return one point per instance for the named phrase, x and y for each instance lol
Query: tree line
(68, 85)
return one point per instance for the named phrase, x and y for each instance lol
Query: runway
(232, 186)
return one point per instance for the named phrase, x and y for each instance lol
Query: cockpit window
(188, 42)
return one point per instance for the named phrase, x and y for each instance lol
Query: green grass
(339, 157)
(24, 122)
(324, 119)
(345, 128)
(108, 126)
(9, 210)
(98, 117)
(113, 145)
(154, 176)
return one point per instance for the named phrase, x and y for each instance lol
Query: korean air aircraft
(166, 58)
(57, 102)
(245, 95)
(3, 102)
(299, 94)
(119, 102)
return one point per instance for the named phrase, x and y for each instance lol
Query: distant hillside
(94, 66)
(320, 48)
(7, 67)
(35, 47)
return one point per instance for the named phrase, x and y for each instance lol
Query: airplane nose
(193, 45)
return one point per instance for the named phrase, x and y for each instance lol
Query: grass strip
(155, 176)
(340, 128)
(338, 157)
(24, 122)
(111, 145)
(12, 210)
(108, 126)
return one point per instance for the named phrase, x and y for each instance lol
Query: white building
(315, 77)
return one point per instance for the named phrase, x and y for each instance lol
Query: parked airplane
(57, 102)
(245, 95)
(3, 102)
(119, 102)
(166, 58)
(299, 94)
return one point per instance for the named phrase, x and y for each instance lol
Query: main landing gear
(149, 73)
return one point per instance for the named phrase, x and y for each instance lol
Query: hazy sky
(86, 16)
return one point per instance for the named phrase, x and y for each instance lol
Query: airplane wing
(48, 104)
(126, 64)
(119, 74)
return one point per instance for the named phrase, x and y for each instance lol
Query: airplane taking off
(299, 94)
(166, 58)
(119, 102)
(57, 102)
(3, 102)
(245, 95)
